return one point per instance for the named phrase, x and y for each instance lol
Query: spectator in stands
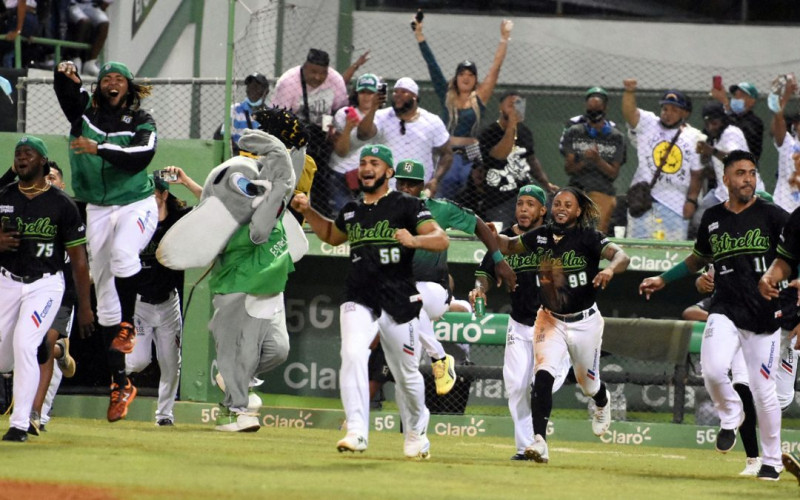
(22, 21)
(722, 137)
(463, 100)
(314, 92)
(740, 109)
(256, 88)
(667, 162)
(594, 151)
(90, 24)
(410, 132)
(510, 161)
(784, 130)
(343, 178)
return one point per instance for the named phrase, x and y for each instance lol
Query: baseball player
(112, 142)
(519, 356)
(37, 225)
(383, 229)
(158, 310)
(741, 237)
(430, 268)
(567, 252)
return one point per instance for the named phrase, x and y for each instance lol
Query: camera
(382, 88)
(166, 175)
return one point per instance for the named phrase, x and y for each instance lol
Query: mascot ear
(275, 167)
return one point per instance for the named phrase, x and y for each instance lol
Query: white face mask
(737, 106)
(773, 103)
(254, 104)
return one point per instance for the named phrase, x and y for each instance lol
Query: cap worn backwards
(408, 84)
(534, 191)
(378, 151)
(114, 67)
(410, 169)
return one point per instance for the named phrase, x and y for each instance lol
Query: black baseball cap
(258, 77)
(676, 98)
(468, 65)
(713, 110)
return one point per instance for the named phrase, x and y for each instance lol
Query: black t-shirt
(380, 274)
(742, 246)
(159, 281)
(753, 128)
(610, 144)
(525, 298)
(48, 224)
(505, 177)
(566, 267)
(789, 250)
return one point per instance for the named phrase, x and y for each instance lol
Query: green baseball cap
(765, 196)
(367, 81)
(160, 183)
(746, 87)
(34, 142)
(114, 67)
(534, 191)
(597, 92)
(410, 169)
(378, 151)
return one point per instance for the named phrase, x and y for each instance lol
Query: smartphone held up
(417, 19)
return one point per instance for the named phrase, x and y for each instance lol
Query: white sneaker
(417, 446)
(601, 420)
(90, 68)
(254, 403)
(752, 467)
(538, 450)
(231, 421)
(352, 442)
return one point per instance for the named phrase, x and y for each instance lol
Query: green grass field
(137, 460)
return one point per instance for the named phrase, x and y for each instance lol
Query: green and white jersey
(432, 266)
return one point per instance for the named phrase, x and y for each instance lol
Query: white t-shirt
(421, 137)
(732, 138)
(786, 196)
(653, 140)
(349, 162)
(323, 100)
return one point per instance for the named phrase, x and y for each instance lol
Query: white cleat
(254, 403)
(538, 450)
(417, 446)
(229, 421)
(601, 420)
(752, 467)
(352, 442)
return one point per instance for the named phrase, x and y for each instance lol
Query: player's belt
(572, 318)
(157, 299)
(22, 279)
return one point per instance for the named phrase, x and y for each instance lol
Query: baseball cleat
(601, 420)
(16, 435)
(254, 403)
(165, 422)
(417, 446)
(444, 374)
(521, 457)
(125, 339)
(792, 464)
(119, 401)
(232, 421)
(66, 362)
(769, 473)
(752, 467)
(34, 423)
(726, 438)
(538, 450)
(352, 442)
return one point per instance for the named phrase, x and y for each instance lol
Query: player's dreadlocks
(589, 211)
(136, 93)
(284, 125)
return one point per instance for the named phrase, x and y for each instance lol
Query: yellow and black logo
(674, 161)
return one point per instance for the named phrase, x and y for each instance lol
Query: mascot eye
(243, 185)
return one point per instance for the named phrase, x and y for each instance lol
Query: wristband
(497, 257)
(676, 272)
(692, 201)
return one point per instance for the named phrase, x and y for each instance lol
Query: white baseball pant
(721, 340)
(434, 305)
(786, 375)
(518, 379)
(581, 340)
(26, 313)
(400, 342)
(115, 236)
(55, 381)
(160, 324)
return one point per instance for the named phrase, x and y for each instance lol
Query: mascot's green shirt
(244, 267)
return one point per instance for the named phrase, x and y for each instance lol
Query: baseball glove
(284, 125)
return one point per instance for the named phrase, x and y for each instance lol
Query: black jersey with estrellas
(567, 265)
(789, 250)
(742, 246)
(524, 298)
(380, 274)
(48, 224)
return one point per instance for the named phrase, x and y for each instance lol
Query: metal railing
(49, 42)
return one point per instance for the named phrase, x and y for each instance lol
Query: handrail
(50, 42)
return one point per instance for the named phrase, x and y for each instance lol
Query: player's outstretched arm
(778, 271)
(430, 236)
(618, 263)
(324, 228)
(502, 270)
(688, 266)
(80, 273)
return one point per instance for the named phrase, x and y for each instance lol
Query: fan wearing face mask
(740, 112)
(594, 151)
(257, 88)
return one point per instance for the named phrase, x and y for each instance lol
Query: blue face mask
(773, 103)
(254, 104)
(737, 106)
